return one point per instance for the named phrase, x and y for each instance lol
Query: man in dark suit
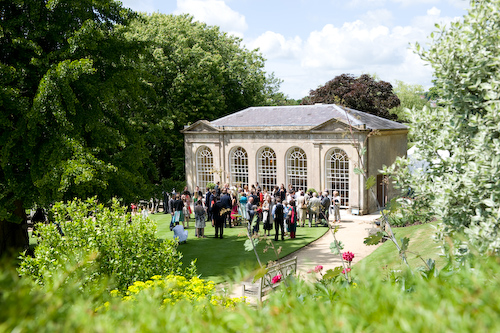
(218, 214)
(279, 219)
(225, 199)
(208, 204)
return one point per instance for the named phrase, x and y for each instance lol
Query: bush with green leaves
(101, 242)
(403, 211)
(460, 139)
(441, 301)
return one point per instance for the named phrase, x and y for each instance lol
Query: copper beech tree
(362, 93)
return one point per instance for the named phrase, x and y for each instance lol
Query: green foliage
(72, 103)
(374, 239)
(363, 93)
(198, 72)
(460, 138)
(311, 190)
(100, 242)
(456, 301)
(404, 211)
(411, 96)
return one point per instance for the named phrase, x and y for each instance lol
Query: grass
(217, 258)
(421, 243)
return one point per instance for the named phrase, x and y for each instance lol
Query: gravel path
(352, 231)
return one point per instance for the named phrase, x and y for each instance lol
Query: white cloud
(214, 12)
(274, 45)
(356, 47)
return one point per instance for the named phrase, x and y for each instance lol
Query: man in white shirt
(179, 233)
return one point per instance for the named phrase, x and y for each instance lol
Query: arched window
(337, 174)
(204, 167)
(296, 169)
(239, 167)
(266, 168)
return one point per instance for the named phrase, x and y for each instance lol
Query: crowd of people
(282, 209)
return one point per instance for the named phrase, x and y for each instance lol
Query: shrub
(409, 211)
(101, 242)
(459, 301)
(174, 288)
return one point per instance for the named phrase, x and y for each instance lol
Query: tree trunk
(14, 236)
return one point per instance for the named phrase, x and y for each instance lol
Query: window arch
(296, 168)
(337, 174)
(204, 167)
(266, 168)
(239, 166)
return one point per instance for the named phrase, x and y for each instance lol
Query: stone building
(308, 146)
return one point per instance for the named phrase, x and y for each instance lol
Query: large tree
(199, 72)
(411, 96)
(363, 93)
(72, 104)
(460, 138)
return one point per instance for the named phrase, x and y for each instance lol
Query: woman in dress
(199, 215)
(291, 219)
(266, 215)
(243, 206)
(234, 208)
(336, 206)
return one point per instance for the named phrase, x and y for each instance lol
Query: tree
(199, 72)
(363, 93)
(411, 96)
(71, 102)
(459, 138)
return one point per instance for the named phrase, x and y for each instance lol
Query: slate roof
(304, 115)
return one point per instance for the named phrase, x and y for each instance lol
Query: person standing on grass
(291, 219)
(199, 215)
(302, 208)
(266, 215)
(178, 210)
(250, 208)
(226, 202)
(218, 216)
(243, 205)
(314, 207)
(279, 212)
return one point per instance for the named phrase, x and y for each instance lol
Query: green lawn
(217, 258)
(421, 243)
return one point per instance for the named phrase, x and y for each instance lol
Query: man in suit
(226, 202)
(279, 212)
(208, 204)
(314, 207)
(218, 215)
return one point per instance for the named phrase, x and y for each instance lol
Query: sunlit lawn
(421, 244)
(217, 258)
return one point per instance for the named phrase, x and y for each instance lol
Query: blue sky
(308, 42)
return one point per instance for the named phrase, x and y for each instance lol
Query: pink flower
(348, 256)
(318, 268)
(276, 279)
(344, 270)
